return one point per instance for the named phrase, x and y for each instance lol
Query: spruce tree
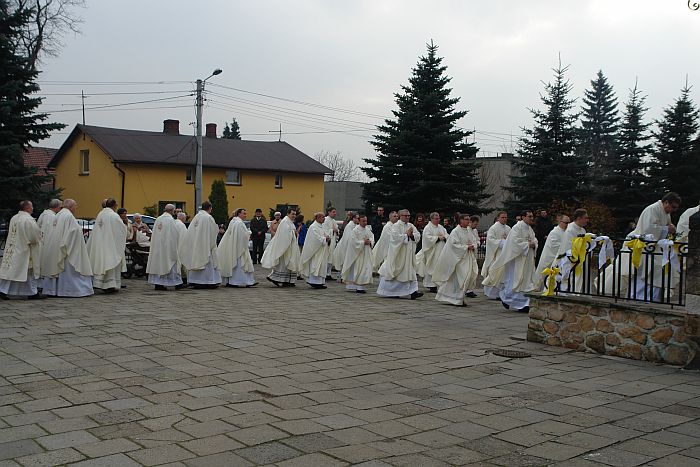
(675, 164)
(20, 125)
(599, 125)
(424, 162)
(233, 131)
(219, 202)
(548, 166)
(626, 186)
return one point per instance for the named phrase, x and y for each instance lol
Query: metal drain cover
(508, 353)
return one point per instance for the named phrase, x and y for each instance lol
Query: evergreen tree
(675, 164)
(424, 162)
(219, 202)
(20, 125)
(549, 167)
(233, 131)
(599, 124)
(627, 185)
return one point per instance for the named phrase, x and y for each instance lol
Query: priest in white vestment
(569, 280)
(106, 248)
(46, 218)
(197, 250)
(397, 275)
(357, 265)
(342, 246)
(65, 263)
(163, 266)
(683, 228)
(655, 224)
(495, 239)
(432, 242)
(456, 269)
(181, 218)
(512, 274)
(314, 257)
(476, 241)
(235, 261)
(330, 225)
(282, 254)
(21, 261)
(381, 247)
(550, 250)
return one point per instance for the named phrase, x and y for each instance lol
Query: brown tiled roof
(150, 147)
(38, 157)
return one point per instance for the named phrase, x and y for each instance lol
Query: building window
(278, 181)
(84, 162)
(189, 176)
(233, 177)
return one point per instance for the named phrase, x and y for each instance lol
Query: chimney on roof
(171, 127)
(211, 130)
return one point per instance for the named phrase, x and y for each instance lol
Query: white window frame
(238, 182)
(278, 181)
(84, 161)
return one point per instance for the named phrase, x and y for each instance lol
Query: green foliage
(424, 162)
(626, 183)
(219, 202)
(676, 158)
(599, 126)
(20, 125)
(549, 165)
(233, 131)
(151, 210)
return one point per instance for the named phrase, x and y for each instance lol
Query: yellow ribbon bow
(551, 281)
(579, 248)
(636, 246)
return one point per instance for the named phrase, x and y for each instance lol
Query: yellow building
(143, 168)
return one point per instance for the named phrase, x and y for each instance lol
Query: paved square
(320, 377)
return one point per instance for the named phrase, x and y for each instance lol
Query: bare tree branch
(344, 170)
(51, 21)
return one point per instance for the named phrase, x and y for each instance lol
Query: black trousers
(258, 247)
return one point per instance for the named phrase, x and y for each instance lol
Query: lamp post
(198, 171)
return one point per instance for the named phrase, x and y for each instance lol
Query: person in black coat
(258, 229)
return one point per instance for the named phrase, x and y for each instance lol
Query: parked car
(268, 237)
(148, 220)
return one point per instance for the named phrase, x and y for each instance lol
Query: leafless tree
(51, 21)
(344, 170)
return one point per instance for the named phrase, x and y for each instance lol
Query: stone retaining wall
(640, 332)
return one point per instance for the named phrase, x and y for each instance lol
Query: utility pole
(198, 169)
(82, 96)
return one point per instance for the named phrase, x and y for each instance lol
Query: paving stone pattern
(301, 377)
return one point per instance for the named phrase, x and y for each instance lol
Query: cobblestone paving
(300, 377)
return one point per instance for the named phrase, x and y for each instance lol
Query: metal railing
(655, 280)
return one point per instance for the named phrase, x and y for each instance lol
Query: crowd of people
(48, 257)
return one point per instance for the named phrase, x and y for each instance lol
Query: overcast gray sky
(354, 55)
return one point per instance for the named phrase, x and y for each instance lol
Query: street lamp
(198, 170)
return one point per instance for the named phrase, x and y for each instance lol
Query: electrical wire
(123, 104)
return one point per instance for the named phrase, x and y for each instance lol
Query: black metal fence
(650, 273)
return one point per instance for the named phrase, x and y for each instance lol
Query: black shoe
(274, 282)
(111, 290)
(252, 285)
(3, 296)
(200, 286)
(330, 278)
(233, 286)
(432, 289)
(288, 284)
(318, 286)
(123, 287)
(505, 305)
(470, 295)
(415, 295)
(463, 304)
(360, 291)
(181, 286)
(525, 309)
(161, 287)
(36, 296)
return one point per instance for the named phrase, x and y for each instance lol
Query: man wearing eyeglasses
(550, 249)
(397, 275)
(512, 274)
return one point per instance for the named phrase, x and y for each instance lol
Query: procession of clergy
(50, 253)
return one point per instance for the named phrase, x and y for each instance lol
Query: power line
(110, 93)
(107, 83)
(124, 104)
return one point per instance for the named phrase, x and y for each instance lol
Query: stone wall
(640, 332)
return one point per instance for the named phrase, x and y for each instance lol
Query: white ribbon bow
(668, 254)
(607, 251)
